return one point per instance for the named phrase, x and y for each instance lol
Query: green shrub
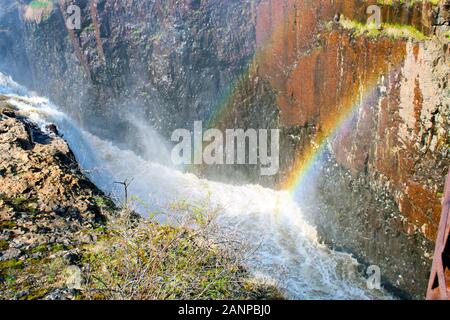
(146, 260)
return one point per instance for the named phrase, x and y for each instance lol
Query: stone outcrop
(48, 209)
(41, 171)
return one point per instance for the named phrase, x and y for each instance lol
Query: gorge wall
(381, 101)
(380, 98)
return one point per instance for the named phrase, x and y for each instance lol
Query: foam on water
(287, 249)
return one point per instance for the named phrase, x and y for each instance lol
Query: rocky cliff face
(13, 59)
(169, 61)
(48, 209)
(395, 142)
(61, 238)
(298, 65)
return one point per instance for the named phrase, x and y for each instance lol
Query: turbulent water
(286, 248)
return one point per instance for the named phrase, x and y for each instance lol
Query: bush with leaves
(142, 259)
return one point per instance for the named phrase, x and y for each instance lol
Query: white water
(287, 249)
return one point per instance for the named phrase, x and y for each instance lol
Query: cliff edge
(62, 238)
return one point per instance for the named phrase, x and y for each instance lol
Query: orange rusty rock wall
(320, 71)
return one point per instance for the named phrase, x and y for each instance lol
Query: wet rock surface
(357, 215)
(47, 207)
(171, 62)
(257, 64)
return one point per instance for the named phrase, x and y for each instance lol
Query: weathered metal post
(439, 285)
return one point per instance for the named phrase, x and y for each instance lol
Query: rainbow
(223, 106)
(330, 127)
(304, 164)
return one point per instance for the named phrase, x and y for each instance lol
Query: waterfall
(287, 249)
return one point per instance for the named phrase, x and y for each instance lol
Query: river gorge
(362, 115)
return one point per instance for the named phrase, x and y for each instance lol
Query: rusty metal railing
(439, 285)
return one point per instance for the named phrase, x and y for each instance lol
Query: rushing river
(287, 250)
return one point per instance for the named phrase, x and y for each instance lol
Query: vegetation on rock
(61, 238)
(395, 31)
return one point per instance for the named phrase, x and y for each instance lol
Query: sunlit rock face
(394, 142)
(382, 100)
(400, 130)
